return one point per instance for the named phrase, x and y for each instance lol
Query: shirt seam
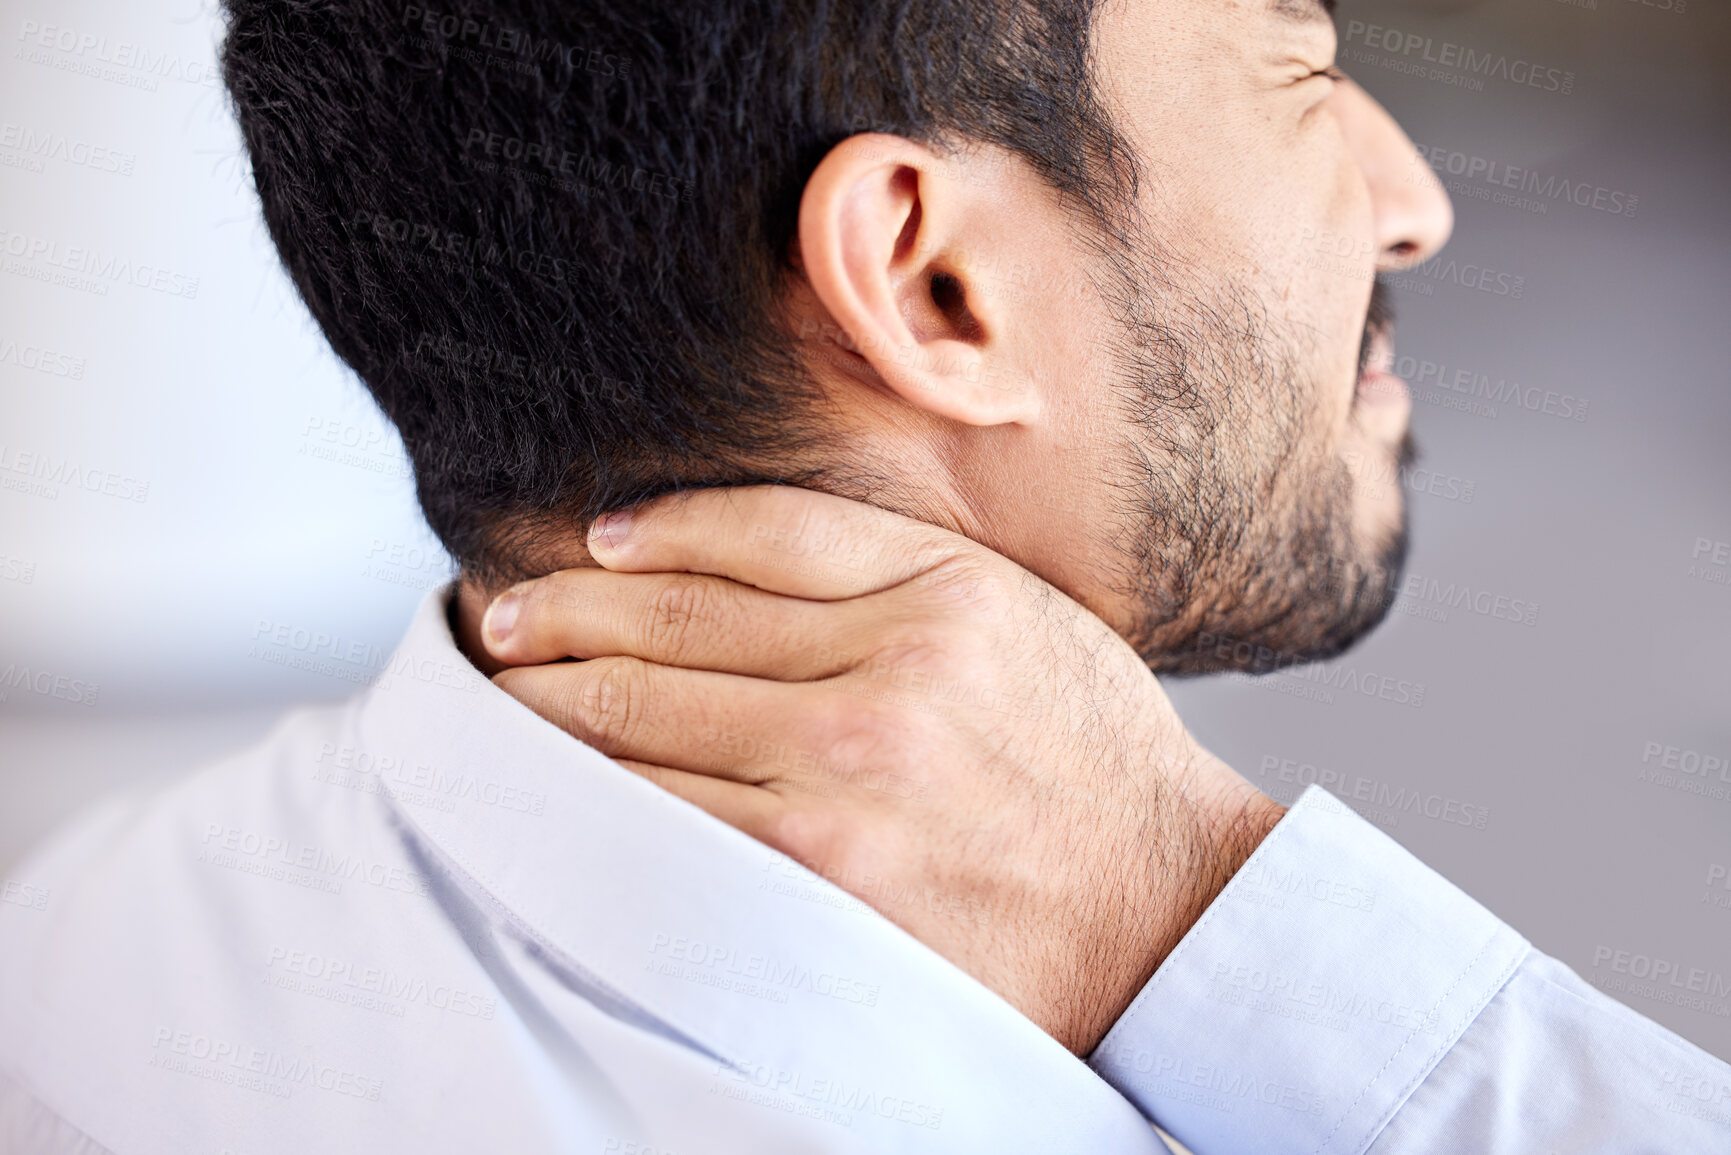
(1423, 1073)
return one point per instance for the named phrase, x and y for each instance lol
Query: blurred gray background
(1546, 716)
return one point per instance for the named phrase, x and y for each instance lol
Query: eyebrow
(1306, 11)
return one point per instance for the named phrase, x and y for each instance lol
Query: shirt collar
(672, 914)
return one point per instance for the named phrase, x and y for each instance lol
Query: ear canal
(951, 298)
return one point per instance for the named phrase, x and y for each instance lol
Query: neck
(941, 505)
(467, 608)
(473, 596)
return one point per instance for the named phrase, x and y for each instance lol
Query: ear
(891, 243)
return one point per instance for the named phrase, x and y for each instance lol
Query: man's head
(1089, 285)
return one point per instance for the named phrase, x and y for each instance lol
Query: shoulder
(152, 963)
(273, 790)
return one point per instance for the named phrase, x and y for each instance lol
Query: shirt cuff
(1312, 997)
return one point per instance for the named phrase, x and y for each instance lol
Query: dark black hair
(550, 235)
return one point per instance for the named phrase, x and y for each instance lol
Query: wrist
(1198, 844)
(1223, 835)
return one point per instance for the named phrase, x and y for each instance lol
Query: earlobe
(879, 223)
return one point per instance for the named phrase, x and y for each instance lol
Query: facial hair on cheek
(1239, 557)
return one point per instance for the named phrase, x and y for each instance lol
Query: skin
(910, 715)
(1071, 508)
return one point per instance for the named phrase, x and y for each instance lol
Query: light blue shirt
(429, 921)
(1342, 997)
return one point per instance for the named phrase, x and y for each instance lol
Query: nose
(1413, 216)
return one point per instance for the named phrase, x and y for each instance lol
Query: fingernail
(610, 529)
(501, 616)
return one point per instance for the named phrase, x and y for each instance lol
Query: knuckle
(934, 643)
(797, 833)
(960, 581)
(676, 614)
(926, 653)
(608, 702)
(856, 734)
(820, 840)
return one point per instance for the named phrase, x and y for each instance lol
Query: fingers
(694, 720)
(752, 810)
(776, 537)
(673, 619)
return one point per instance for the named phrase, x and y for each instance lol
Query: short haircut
(550, 236)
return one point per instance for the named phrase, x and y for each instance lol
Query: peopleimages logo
(88, 47)
(449, 244)
(41, 359)
(1481, 278)
(255, 1068)
(1697, 980)
(1469, 61)
(40, 146)
(47, 684)
(84, 262)
(1381, 795)
(510, 41)
(1530, 182)
(1485, 603)
(581, 167)
(41, 474)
